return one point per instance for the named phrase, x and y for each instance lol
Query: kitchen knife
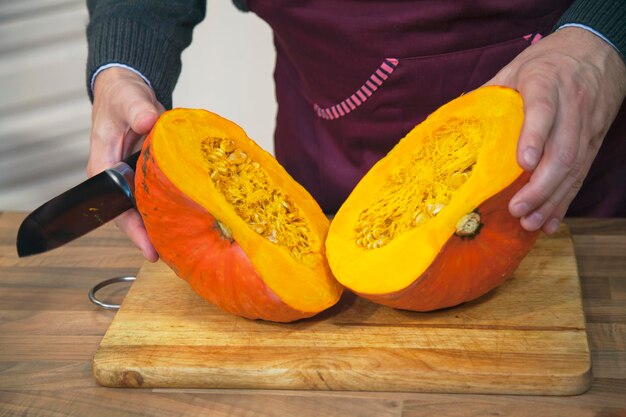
(79, 210)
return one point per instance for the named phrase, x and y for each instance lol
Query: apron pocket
(361, 95)
(422, 84)
(418, 85)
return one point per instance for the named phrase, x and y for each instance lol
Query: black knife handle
(131, 160)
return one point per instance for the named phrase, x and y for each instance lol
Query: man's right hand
(124, 110)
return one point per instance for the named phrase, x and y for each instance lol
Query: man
(573, 82)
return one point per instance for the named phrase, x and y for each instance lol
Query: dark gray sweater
(151, 35)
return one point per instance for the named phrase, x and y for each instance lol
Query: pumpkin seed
(237, 157)
(213, 157)
(227, 146)
(434, 209)
(419, 218)
(458, 179)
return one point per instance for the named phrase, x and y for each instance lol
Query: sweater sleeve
(148, 36)
(606, 17)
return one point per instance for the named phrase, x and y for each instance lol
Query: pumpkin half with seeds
(428, 227)
(227, 218)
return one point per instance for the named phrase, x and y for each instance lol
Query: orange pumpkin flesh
(428, 227)
(227, 218)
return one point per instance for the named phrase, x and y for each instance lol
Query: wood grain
(47, 376)
(527, 336)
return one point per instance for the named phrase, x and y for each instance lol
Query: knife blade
(79, 210)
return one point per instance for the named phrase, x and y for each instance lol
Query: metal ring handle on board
(99, 286)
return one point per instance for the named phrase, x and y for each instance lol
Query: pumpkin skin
(471, 244)
(225, 261)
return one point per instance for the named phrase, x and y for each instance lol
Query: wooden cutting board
(526, 337)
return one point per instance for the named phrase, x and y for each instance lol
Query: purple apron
(354, 76)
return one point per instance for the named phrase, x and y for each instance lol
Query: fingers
(558, 177)
(554, 218)
(540, 110)
(130, 222)
(541, 99)
(571, 96)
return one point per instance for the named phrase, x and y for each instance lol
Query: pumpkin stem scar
(224, 230)
(469, 225)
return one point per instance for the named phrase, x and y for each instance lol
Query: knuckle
(578, 180)
(534, 138)
(539, 197)
(561, 210)
(595, 142)
(545, 104)
(597, 123)
(550, 204)
(567, 156)
(581, 96)
(545, 77)
(577, 185)
(545, 71)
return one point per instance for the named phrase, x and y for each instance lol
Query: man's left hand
(573, 84)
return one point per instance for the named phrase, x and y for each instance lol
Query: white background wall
(228, 70)
(44, 110)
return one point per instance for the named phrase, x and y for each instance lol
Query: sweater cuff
(588, 29)
(116, 65)
(606, 17)
(132, 44)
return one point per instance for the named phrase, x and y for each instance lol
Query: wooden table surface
(49, 332)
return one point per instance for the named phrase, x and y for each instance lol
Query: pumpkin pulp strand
(263, 206)
(417, 192)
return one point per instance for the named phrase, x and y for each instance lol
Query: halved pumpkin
(428, 226)
(227, 218)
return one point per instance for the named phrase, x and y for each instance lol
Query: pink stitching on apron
(535, 39)
(361, 95)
